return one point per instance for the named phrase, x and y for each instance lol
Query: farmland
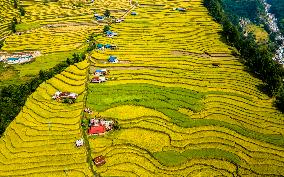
(55, 29)
(40, 142)
(185, 105)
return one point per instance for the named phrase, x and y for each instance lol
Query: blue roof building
(108, 46)
(99, 18)
(133, 13)
(100, 46)
(112, 59)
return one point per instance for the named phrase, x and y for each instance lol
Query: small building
(99, 18)
(100, 160)
(180, 9)
(111, 34)
(100, 46)
(88, 110)
(97, 130)
(64, 95)
(98, 79)
(79, 142)
(100, 72)
(133, 13)
(119, 20)
(113, 59)
(109, 46)
(19, 59)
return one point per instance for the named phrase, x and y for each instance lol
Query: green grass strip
(172, 158)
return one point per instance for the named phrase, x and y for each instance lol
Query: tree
(1, 43)
(106, 28)
(13, 26)
(280, 99)
(107, 13)
(15, 4)
(15, 20)
(22, 11)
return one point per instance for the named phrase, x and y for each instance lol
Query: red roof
(97, 129)
(100, 160)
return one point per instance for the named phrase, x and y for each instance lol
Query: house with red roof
(96, 130)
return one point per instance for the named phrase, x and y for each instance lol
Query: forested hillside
(277, 8)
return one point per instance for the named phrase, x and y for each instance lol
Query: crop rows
(7, 12)
(41, 140)
(185, 105)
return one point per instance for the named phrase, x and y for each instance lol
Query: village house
(79, 142)
(98, 79)
(59, 96)
(100, 160)
(113, 59)
(133, 13)
(111, 34)
(100, 126)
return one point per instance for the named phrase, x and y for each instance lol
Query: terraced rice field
(179, 114)
(41, 140)
(7, 12)
(56, 29)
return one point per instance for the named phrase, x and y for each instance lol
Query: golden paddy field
(179, 115)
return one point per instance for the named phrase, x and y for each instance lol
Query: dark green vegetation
(168, 101)
(13, 24)
(251, 9)
(13, 97)
(1, 43)
(257, 57)
(107, 13)
(277, 8)
(170, 158)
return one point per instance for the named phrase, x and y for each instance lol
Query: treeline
(277, 8)
(13, 97)
(251, 9)
(14, 21)
(257, 57)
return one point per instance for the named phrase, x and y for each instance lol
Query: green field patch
(27, 26)
(44, 62)
(102, 97)
(171, 158)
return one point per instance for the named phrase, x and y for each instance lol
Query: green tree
(22, 11)
(13, 26)
(280, 99)
(106, 28)
(1, 43)
(107, 13)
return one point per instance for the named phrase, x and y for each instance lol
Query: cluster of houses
(18, 58)
(100, 126)
(100, 75)
(61, 96)
(106, 46)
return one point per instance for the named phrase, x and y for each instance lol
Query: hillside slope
(41, 139)
(185, 105)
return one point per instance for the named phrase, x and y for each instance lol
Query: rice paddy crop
(207, 120)
(179, 115)
(41, 139)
